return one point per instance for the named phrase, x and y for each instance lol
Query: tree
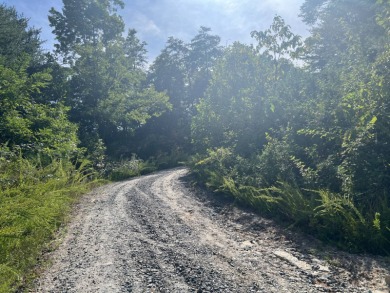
(27, 119)
(233, 111)
(204, 52)
(278, 135)
(183, 71)
(277, 43)
(135, 50)
(347, 40)
(345, 34)
(16, 38)
(168, 73)
(85, 22)
(108, 95)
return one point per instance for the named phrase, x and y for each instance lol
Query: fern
(34, 200)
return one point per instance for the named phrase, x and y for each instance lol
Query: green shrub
(125, 169)
(34, 202)
(332, 217)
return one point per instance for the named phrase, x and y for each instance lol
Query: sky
(156, 20)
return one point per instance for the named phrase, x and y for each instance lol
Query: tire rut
(155, 234)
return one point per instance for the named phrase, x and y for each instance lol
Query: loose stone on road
(156, 233)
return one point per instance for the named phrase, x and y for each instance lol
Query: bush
(117, 171)
(332, 217)
(34, 202)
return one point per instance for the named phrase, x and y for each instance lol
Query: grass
(126, 169)
(35, 199)
(135, 166)
(334, 218)
(34, 202)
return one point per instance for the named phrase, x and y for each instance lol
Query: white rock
(293, 260)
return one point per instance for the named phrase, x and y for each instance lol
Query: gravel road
(156, 233)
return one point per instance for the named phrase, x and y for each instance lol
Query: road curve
(157, 234)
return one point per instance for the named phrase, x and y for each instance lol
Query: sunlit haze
(155, 21)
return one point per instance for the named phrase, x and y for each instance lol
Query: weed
(34, 200)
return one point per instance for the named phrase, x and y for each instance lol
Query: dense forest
(297, 129)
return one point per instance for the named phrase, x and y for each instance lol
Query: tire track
(154, 234)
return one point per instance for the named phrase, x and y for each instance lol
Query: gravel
(156, 233)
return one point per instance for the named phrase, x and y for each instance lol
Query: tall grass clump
(125, 169)
(35, 198)
(351, 223)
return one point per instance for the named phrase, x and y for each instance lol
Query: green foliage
(41, 166)
(335, 210)
(332, 217)
(43, 127)
(17, 40)
(278, 41)
(275, 162)
(234, 110)
(23, 121)
(183, 71)
(85, 22)
(308, 144)
(34, 202)
(135, 50)
(173, 158)
(126, 169)
(107, 89)
(203, 54)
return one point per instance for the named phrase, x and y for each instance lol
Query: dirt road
(157, 234)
